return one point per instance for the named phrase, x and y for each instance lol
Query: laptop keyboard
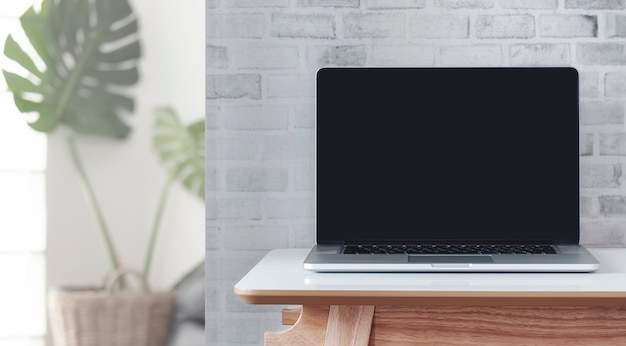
(437, 249)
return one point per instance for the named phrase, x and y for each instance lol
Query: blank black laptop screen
(447, 155)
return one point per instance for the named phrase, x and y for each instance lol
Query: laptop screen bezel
(328, 76)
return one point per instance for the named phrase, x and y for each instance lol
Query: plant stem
(93, 203)
(156, 225)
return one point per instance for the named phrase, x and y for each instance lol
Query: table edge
(482, 298)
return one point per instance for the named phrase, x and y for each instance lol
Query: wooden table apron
(442, 317)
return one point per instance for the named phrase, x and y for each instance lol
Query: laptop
(447, 170)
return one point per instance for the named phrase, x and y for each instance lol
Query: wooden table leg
(290, 316)
(309, 329)
(337, 325)
(349, 325)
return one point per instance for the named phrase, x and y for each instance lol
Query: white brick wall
(595, 4)
(568, 26)
(540, 54)
(615, 25)
(260, 68)
(305, 26)
(529, 4)
(505, 26)
(438, 26)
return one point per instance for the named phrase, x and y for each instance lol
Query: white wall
(126, 175)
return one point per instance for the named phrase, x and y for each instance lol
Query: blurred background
(48, 235)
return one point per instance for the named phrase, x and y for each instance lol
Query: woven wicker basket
(102, 317)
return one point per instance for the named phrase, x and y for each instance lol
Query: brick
(257, 179)
(304, 26)
(302, 236)
(235, 209)
(210, 299)
(257, 237)
(338, 55)
(229, 328)
(613, 144)
(602, 53)
(596, 234)
(216, 57)
(586, 206)
(328, 3)
(374, 25)
(265, 57)
(395, 55)
(289, 208)
(438, 26)
(211, 117)
(529, 4)
(304, 116)
(210, 175)
(288, 147)
(471, 55)
(505, 26)
(299, 85)
(585, 144)
(588, 84)
(615, 25)
(539, 54)
(601, 113)
(456, 4)
(304, 179)
(210, 142)
(232, 266)
(214, 293)
(613, 206)
(264, 117)
(211, 237)
(394, 4)
(232, 148)
(233, 86)
(595, 4)
(568, 26)
(210, 267)
(256, 3)
(615, 84)
(235, 25)
(600, 175)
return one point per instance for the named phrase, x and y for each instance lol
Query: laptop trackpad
(450, 259)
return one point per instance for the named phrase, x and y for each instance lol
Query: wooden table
(441, 308)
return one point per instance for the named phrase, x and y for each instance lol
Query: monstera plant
(181, 149)
(83, 56)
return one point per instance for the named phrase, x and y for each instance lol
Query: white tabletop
(280, 273)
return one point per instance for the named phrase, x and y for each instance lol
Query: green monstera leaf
(181, 149)
(89, 50)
